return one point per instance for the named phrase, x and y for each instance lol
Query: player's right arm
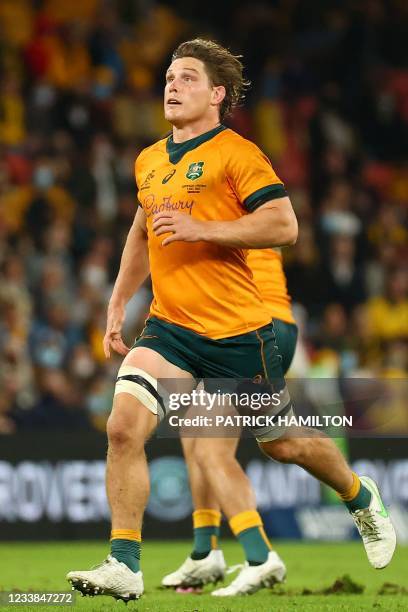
(133, 271)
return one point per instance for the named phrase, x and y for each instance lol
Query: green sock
(362, 499)
(127, 551)
(205, 539)
(255, 547)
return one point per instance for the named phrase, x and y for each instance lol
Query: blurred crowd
(81, 94)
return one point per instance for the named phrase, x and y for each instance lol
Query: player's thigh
(229, 364)
(138, 404)
(286, 338)
(156, 365)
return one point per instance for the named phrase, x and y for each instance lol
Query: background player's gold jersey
(216, 176)
(269, 277)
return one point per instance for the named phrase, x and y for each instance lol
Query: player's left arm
(273, 224)
(270, 222)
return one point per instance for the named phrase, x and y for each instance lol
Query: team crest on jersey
(195, 170)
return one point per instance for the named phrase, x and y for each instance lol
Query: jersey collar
(177, 150)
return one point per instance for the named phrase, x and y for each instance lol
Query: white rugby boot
(254, 577)
(109, 578)
(375, 527)
(198, 573)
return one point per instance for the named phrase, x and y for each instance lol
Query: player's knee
(211, 456)
(190, 449)
(200, 453)
(282, 450)
(204, 457)
(118, 431)
(127, 430)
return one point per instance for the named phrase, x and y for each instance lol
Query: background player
(205, 306)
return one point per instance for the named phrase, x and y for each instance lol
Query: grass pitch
(312, 569)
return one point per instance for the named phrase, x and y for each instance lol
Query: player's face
(188, 95)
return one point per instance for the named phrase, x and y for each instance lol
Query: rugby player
(207, 195)
(206, 563)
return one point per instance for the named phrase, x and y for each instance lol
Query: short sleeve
(251, 176)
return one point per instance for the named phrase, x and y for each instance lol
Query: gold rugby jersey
(217, 176)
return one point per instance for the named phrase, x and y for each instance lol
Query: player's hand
(113, 335)
(182, 227)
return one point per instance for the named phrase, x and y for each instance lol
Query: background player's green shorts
(256, 353)
(286, 335)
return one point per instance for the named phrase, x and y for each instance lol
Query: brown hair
(222, 67)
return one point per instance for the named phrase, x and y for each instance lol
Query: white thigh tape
(138, 390)
(273, 432)
(268, 434)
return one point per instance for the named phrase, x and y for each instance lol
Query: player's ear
(218, 94)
